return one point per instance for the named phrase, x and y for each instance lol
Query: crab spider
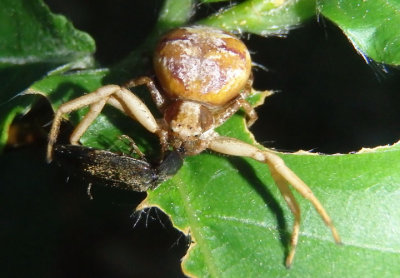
(203, 76)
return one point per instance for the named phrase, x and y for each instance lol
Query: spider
(203, 76)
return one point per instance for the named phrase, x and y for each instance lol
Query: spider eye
(203, 64)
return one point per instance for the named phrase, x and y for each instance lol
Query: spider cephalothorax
(203, 76)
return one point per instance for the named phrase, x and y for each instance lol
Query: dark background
(328, 100)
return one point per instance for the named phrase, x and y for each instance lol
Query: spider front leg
(117, 96)
(283, 177)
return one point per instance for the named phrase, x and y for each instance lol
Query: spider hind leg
(283, 177)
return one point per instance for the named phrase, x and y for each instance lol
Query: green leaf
(272, 17)
(371, 26)
(239, 222)
(173, 14)
(34, 42)
(213, 1)
(30, 33)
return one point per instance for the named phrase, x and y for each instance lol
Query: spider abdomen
(202, 64)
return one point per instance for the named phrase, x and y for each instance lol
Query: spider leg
(131, 105)
(231, 108)
(277, 165)
(158, 99)
(134, 107)
(250, 112)
(75, 104)
(295, 209)
(282, 176)
(117, 96)
(134, 147)
(225, 112)
(91, 115)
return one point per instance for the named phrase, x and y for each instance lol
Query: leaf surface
(239, 222)
(261, 17)
(372, 26)
(33, 42)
